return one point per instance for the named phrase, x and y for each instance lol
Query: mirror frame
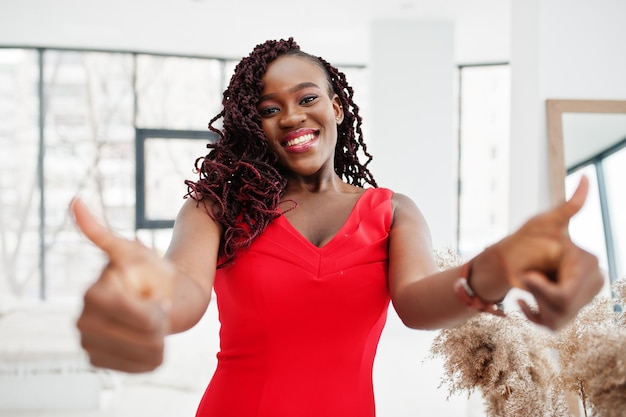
(556, 155)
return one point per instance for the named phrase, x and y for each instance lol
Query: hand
(124, 319)
(542, 259)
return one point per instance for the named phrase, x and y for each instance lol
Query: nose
(291, 116)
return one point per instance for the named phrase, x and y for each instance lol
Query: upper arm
(195, 244)
(410, 248)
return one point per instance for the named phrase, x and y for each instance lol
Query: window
(484, 116)
(83, 144)
(600, 226)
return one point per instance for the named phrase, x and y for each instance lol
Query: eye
(268, 111)
(308, 99)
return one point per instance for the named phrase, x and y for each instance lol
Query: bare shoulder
(402, 199)
(405, 209)
(408, 222)
(197, 212)
(195, 226)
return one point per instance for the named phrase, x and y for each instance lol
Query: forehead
(294, 69)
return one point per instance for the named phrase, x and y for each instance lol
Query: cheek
(267, 129)
(332, 124)
(270, 134)
(265, 126)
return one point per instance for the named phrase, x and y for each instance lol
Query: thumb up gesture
(542, 259)
(124, 320)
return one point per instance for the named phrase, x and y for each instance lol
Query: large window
(484, 123)
(68, 121)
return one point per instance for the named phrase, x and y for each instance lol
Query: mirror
(579, 130)
(589, 137)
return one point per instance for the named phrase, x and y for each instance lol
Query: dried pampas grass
(507, 360)
(593, 355)
(524, 370)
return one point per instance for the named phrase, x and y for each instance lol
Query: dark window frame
(141, 135)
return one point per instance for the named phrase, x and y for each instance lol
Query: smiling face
(300, 115)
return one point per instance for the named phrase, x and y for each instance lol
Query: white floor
(406, 383)
(132, 401)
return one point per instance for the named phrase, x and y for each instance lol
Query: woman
(303, 259)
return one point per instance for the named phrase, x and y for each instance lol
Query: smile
(300, 140)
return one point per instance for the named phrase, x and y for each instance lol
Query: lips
(299, 140)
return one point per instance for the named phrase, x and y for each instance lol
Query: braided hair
(240, 175)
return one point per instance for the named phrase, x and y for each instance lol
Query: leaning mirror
(588, 137)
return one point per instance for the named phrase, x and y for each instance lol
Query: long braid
(239, 175)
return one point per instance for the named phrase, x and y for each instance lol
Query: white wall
(559, 49)
(412, 112)
(412, 139)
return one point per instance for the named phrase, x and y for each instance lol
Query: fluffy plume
(507, 360)
(593, 355)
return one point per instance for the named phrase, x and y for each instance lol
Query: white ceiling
(336, 29)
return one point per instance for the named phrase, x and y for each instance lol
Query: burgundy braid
(240, 174)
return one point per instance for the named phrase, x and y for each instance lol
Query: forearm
(431, 302)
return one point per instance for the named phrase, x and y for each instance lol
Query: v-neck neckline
(335, 237)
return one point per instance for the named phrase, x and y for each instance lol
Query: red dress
(300, 324)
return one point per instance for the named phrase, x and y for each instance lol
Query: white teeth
(300, 139)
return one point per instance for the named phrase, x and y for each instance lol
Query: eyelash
(308, 99)
(268, 111)
(271, 110)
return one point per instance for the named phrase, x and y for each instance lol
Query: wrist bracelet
(468, 296)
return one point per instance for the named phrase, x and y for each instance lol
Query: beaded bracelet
(467, 296)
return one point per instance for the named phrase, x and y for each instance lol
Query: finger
(576, 201)
(539, 316)
(531, 313)
(124, 343)
(120, 341)
(110, 300)
(546, 292)
(149, 350)
(104, 359)
(101, 236)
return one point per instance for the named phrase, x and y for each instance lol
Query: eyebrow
(293, 89)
